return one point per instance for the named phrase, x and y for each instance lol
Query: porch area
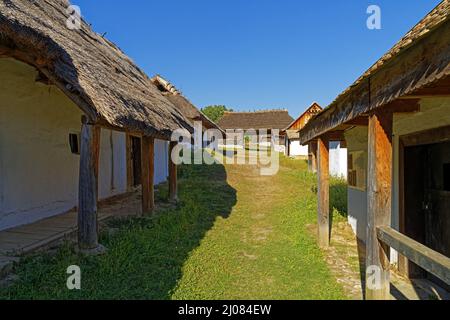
(44, 234)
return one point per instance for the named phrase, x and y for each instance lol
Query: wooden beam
(436, 135)
(148, 172)
(323, 192)
(313, 153)
(426, 258)
(362, 121)
(379, 203)
(88, 186)
(335, 135)
(173, 177)
(129, 160)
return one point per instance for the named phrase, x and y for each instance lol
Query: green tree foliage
(215, 112)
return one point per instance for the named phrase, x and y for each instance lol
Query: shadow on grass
(145, 256)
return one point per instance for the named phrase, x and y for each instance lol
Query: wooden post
(313, 151)
(173, 187)
(88, 186)
(379, 195)
(323, 191)
(148, 173)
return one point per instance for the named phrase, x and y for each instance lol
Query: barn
(79, 121)
(293, 147)
(255, 123)
(395, 120)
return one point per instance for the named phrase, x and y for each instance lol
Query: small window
(446, 176)
(74, 142)
(357, 170)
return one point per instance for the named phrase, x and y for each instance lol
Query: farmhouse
(293, 147)
(395, 120)
(253, 123)
(79, 122)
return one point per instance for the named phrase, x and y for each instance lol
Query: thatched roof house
(90, 70)
(267, 119)
(183, 105)
(395, 121)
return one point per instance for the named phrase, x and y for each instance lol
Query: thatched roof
(90, 70)
(266, 119)
(415, 66)
(182, 103)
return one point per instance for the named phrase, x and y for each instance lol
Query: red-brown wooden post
(148, 173)
(379, 180)
(323, 192)
(173, 183)
(88, 186)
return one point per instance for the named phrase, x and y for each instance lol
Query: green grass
(234, 235)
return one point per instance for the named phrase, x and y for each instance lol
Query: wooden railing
(426, 258)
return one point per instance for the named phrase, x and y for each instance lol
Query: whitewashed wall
(38, 172)
(357, 198)
(338, 160)
(296, 149)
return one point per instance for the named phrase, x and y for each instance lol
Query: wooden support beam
(148, 173)
(379, 204)
(313, 154)
(323, 191)
(173, 183)
(88, 186)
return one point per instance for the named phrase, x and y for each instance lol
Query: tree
(215, 112)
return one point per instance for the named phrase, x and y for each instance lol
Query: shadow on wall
(145, 256)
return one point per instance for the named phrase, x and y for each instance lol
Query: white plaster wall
(38, 172)
(296, 149)
(357, 199)
(161, 161)
(338, 160)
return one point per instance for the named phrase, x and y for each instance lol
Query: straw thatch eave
(107, 86)
(183, 105)
(418, 65)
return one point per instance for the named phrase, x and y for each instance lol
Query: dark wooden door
(136, 160)
(437, 201)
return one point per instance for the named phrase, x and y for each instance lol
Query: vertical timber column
(313, 156)
(173, 178)
(88, 186)
(323, 191)
(148, 174)
(379, 180)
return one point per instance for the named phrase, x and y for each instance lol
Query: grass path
(235, 235)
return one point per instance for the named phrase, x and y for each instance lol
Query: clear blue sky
(254, 54)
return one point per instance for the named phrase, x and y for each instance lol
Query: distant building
(259, 121)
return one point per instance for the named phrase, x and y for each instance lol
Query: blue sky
(254, 54)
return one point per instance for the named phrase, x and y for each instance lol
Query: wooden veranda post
(173, 183)
(379, 204)
(323, 192)
(88, 186)
(313, 153)
(148, 173)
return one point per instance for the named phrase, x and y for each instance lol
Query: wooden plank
(379, 202)
(428, 259)
(323, 192)
(436, 135)
(173, 177)
(88, 186)
(148, 172)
